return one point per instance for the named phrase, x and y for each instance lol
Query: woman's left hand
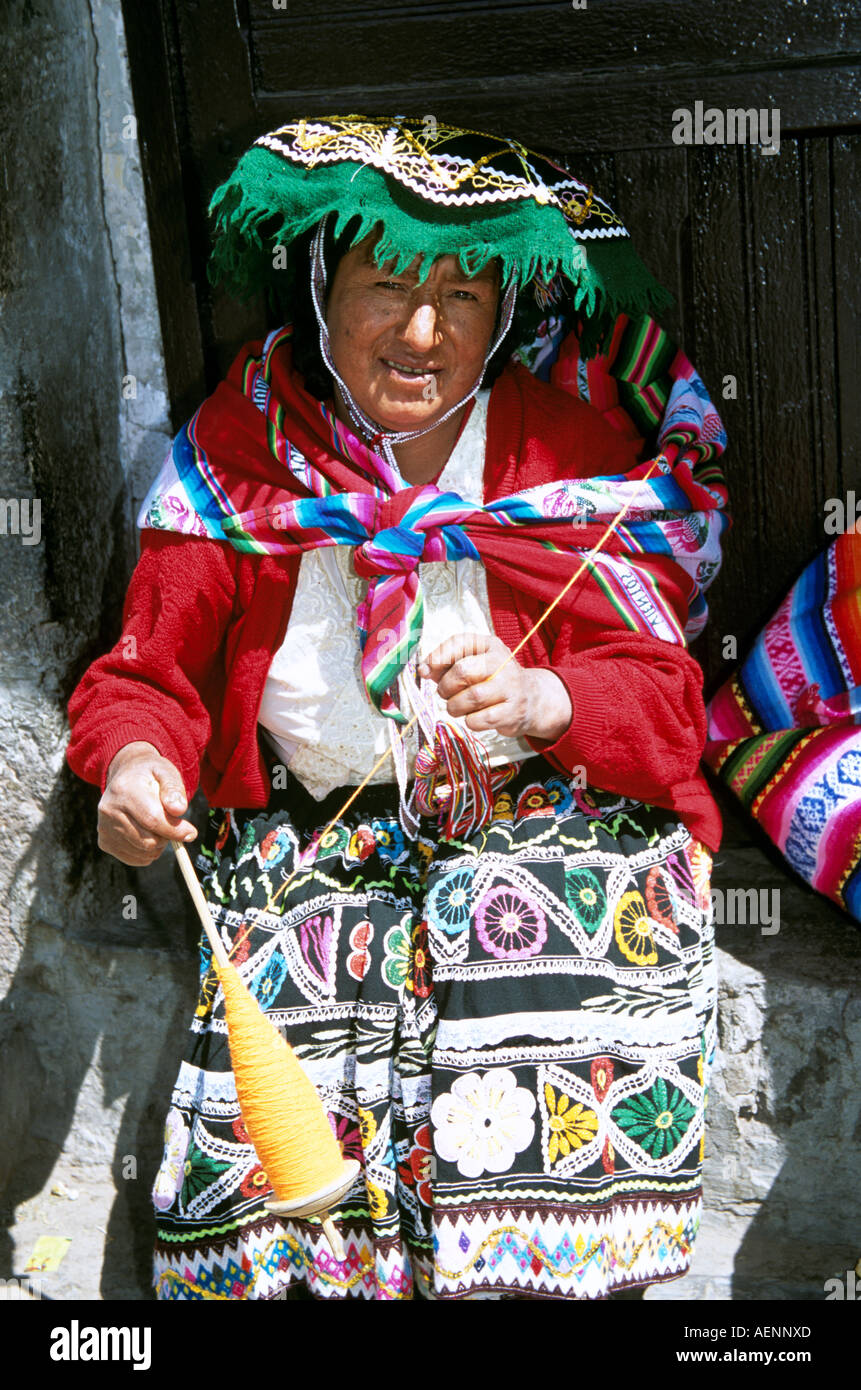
(517, 701)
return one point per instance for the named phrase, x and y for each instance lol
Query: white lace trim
(314, 709)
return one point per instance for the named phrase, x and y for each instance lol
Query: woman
(358, 556)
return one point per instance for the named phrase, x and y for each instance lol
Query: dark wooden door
(761, 251)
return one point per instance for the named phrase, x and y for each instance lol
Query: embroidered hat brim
(431, 190)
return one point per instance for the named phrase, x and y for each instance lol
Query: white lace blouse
(315, 711)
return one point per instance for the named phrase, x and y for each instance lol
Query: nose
(421, 329)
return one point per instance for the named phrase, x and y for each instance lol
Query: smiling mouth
(412, 373)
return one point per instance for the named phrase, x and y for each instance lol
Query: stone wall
(83, 422)
(96, 962)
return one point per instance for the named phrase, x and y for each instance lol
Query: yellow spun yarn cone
(280, 1106)
(282, 1111)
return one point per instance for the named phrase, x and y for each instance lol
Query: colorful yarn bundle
(455, 781)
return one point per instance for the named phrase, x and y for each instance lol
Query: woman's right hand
(142, 806)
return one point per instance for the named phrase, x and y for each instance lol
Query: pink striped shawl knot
(414, 525)
(392, 536)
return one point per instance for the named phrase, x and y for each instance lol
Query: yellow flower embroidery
(367, 1126)
(634, 930)
(376, 1201)
(425, 855)
(570, 1128)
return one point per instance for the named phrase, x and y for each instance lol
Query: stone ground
(82, 1218)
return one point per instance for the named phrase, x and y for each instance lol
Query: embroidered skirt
(512, 1033)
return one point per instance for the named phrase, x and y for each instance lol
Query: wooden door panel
(847, 303)
(306, 47)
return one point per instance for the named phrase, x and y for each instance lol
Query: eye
(465, 294)
(389, 285)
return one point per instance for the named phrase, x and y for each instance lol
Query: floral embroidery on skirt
(512, 1034)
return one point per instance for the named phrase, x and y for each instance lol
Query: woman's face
(408, 352)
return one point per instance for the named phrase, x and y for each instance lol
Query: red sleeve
(150, 687)
(638, 722)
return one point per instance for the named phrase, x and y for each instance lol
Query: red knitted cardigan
(203, 620)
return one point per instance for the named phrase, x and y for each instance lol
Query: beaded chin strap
(387, 441)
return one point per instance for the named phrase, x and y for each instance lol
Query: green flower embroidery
(586, 898)
(655, 1120)
(333, 842)
(396, 965)
(199, 1172)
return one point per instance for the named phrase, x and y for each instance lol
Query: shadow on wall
(93, 1024)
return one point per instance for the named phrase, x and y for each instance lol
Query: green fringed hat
(433, 190)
